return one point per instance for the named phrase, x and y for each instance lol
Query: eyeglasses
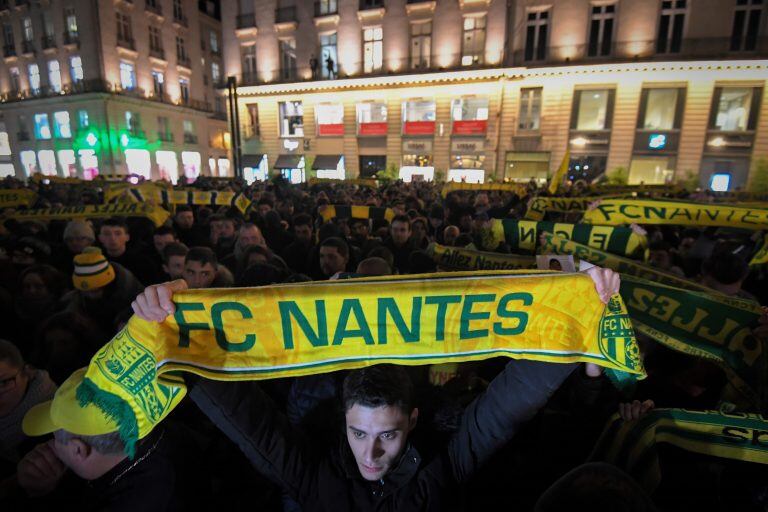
(10, 382)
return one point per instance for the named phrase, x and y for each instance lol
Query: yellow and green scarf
(99, 211)
(459, 258)
(511, 188)
(539, 206)
(613, 212)
(302, 329)
(170, 197)
(523, 235)
(13, 197)
(632, 445)
(343, 211)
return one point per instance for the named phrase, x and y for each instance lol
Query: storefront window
(419, 117)
(291, 119)
(259, 172)
(139, 162)
(530, 109)
(42, 127)
(467, 168)
(651, 171)
(470, 116)
(523, 167)
(29, 162)
(733, 108)
(330, 119)
(592, 109)
(417, 168)
(89, 163)
(167, 166)
(372, 118)
(192, 164)
(7, 170)
(660, 109)
(224, 167)
(47, 161)
(466, 175)
(67, 163)
(63, 126)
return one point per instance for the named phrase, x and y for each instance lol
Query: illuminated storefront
(167, 166)
(255, 168)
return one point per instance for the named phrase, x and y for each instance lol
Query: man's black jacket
(333, 482)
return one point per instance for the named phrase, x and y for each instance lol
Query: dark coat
(332, 482)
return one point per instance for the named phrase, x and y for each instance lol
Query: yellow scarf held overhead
(311, 328)
(513, 188)
(11, 198)
(614, 212)
(99, 211)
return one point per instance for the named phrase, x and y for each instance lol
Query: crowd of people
(66, 288)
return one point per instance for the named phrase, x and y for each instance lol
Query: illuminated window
(253, 121)
(328, 56)
(47, 160)
(746, 25)
(473, 40)
(469, 116)
(592, 109)
(189, 132)
(720, 182)
(651, 170)
(215, 73)
(15, 82)
(76, 69)
(42, 127)
(34, 78)
(224, 167)
(419, 117)
(734, 108)
(288, 59)
(158, 83)
(330, 118)
(167, 165)
(291, 119)
(421, 45)
(536, 30)
(133, 122)
(372, 118)
(67, 163)
(324, 7)
(127, 76)
(530, 109)
(601, 30)
(522, 167)
(671, 24)
(63, 127)
(7, 170)
(27, 31)
(138, 162)
(417, 168)
(373, 49)
(214, 40)
(249, 63)
(89, 163)
(83, 119)
(71, 22)
(658, 109)
(28, 162)
(54, 75)
(191, 162)
(5, 145)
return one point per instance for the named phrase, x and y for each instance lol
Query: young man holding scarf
(377, 468)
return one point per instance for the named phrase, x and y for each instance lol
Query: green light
(91, 139)
(125, 140)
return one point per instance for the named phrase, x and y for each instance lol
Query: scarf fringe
(116, 409)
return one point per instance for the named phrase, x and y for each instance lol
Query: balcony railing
(246, 21)
(181, 19)
(371, 4)
(126, 42)
(71, 38)
(190, 138)
(27, 47)
(158, 53)
(326, 8)
(156, 9)
(285, 15)
(48, 42)
(9, 50)
(183, 60)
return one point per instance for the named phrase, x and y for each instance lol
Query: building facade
(112, 87)
(477, 89)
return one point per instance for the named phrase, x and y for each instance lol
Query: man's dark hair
(338, 243)
(10, 354)
(302, 219)
(216, 217)
(165, 230)
(202, 255)
(174, 249)
(183, 208)
(117, 222)
(402, 218)
(378, 386)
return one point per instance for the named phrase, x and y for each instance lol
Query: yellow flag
(557, 179)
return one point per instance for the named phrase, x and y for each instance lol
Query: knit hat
(78, 228)
(92, 270)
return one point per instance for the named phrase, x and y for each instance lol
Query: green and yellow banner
(13, 197)
(539, 206)
(361, 182)
(614, 212)
(99, 211)
(343, 211)
(524, 235)
(511, 188)
(761, 256)
(459, 258)
(164, 196)
(309, 328)
(632, 445)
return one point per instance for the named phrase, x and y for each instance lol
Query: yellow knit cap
(92, 270)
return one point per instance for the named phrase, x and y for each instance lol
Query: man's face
(377, 437)
(76, 244)
(419, 230)
(13, 386)
(251, 236)
(114, 239)
(175, 267)
(161, 241)
(331, 261)
(33, 287)
(659, 259)
(216, 230)
(185, 220)
(198, 275)
(401, 231)
(263, 209)
(303, 232)
(450, 234)
(227, 229)
(360, 230)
